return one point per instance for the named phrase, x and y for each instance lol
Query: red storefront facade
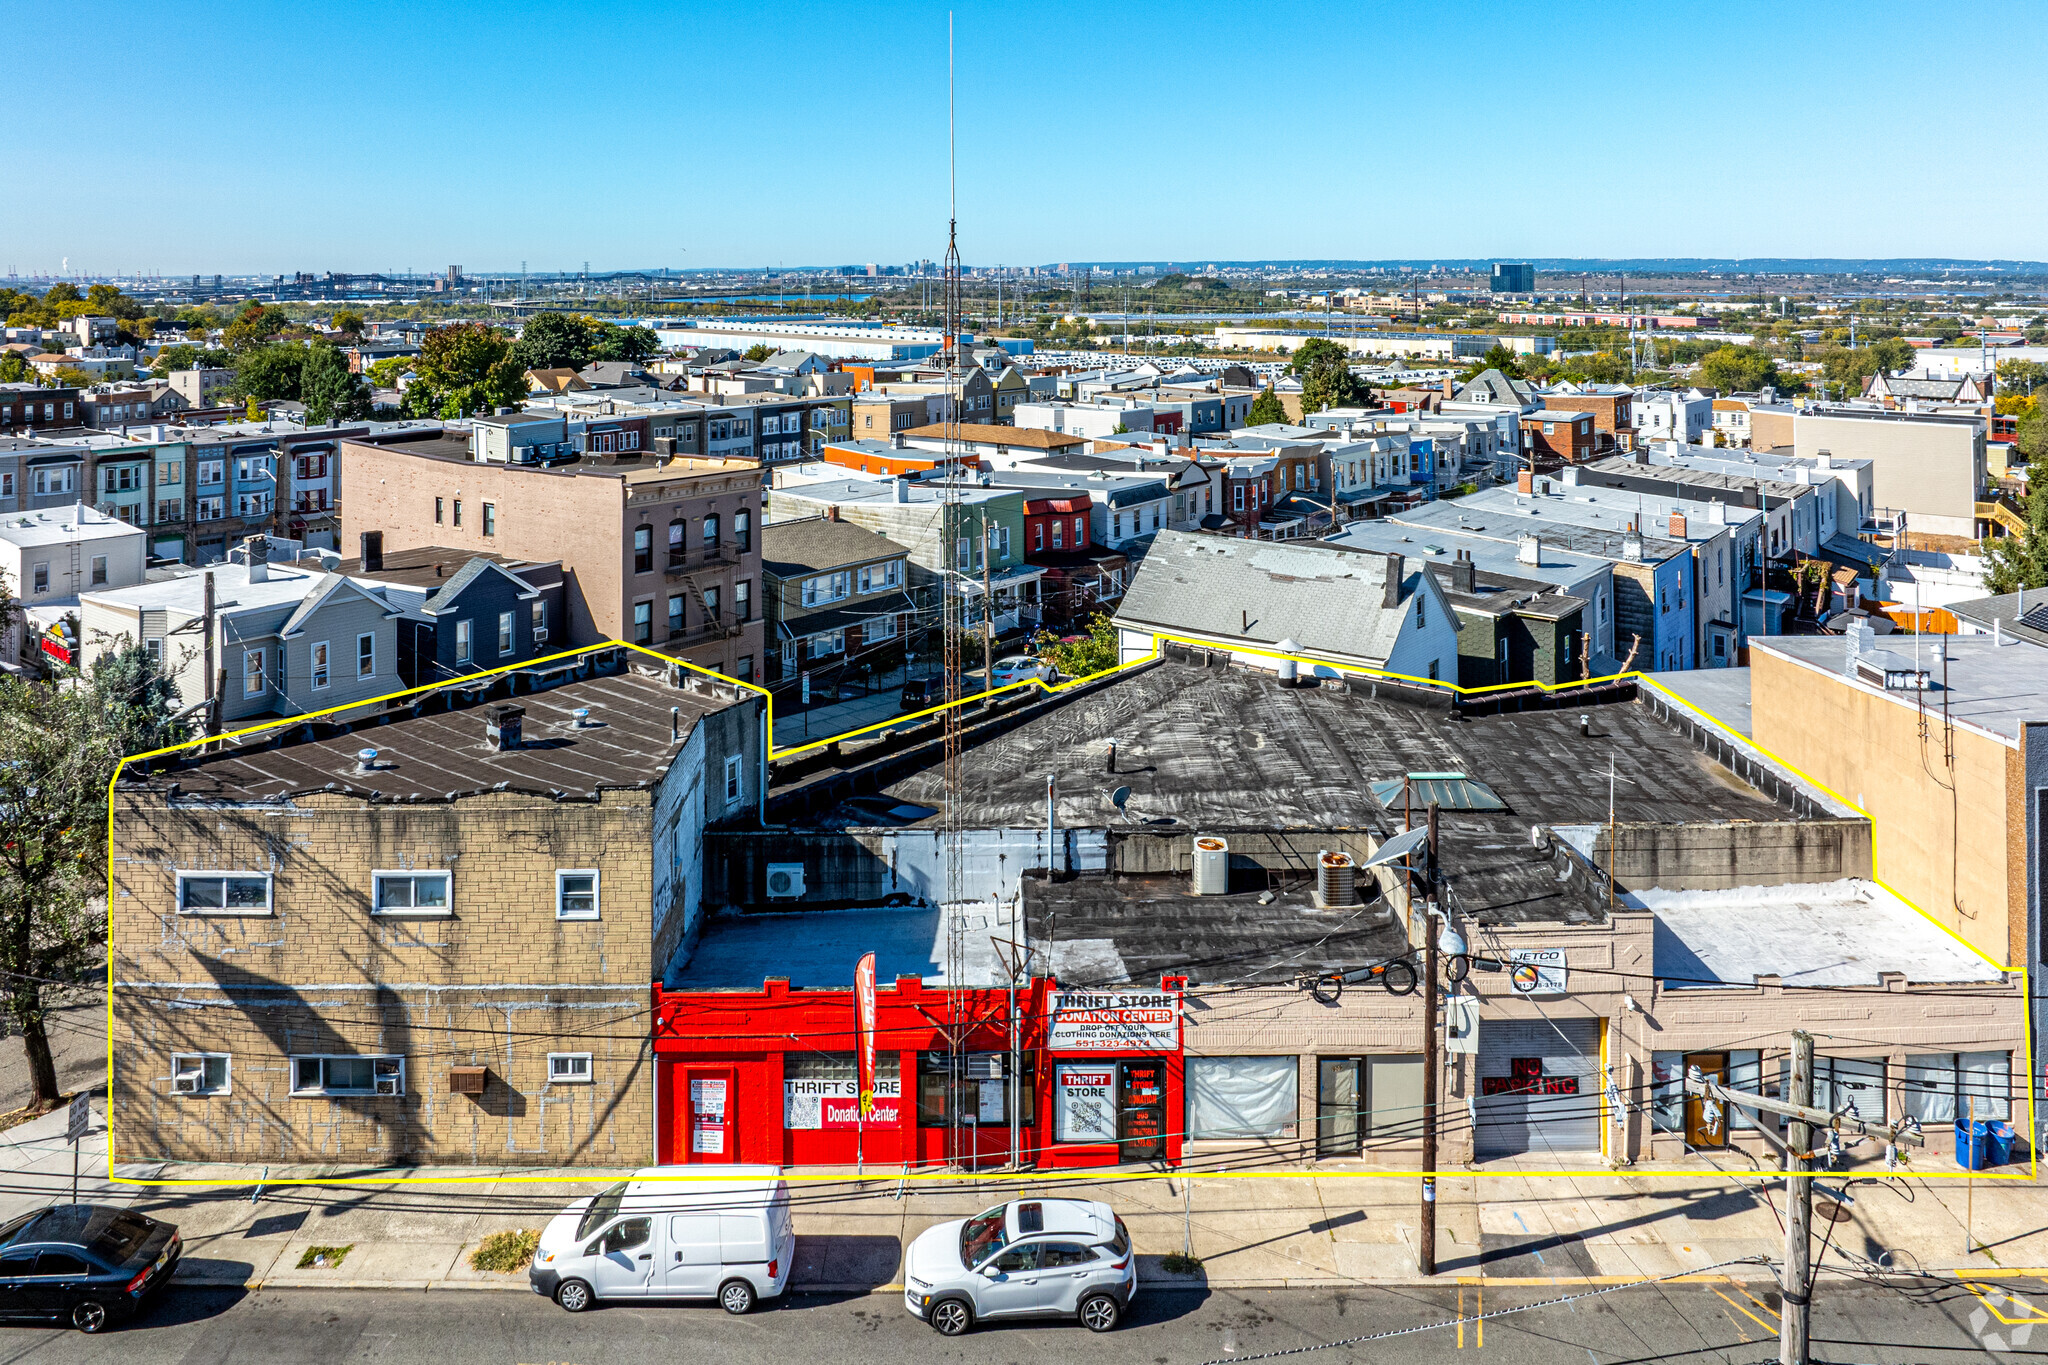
(769, 1076)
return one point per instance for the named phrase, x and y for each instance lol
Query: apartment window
(878, 628)
(318, 672)
(1003, 537)
(348, 1075)
(156, 651)
(576, 893)
(199, 1073)
(745, 671)
(410, 893)
(743, 601)
(366, 657)
(676, 548)
(40, 578)
(643, 623)
(710, 606)
(504, 633)
(1237, 497)
(223, 893)
(788, 657)
(6, 485)
(1420, 619)
(734, 786)
(458, 511)
(490, 518)
(212, 472)
(1059, 538)
(963, 554)
(1038, 536)
(711, 531)
(643, 549)
(569, 1068)
(675, 614)
(540, 621)
(743, 522)
(252, 672)
(462, 642)
(209, 509)
(440, 510)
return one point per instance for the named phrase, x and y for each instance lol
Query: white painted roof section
(818, 949)
(1839, 933)
(61, 526)
(231, 586)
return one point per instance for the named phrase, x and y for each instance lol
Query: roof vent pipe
(366, 760)
(505, 727)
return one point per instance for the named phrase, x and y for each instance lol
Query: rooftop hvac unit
(1336, 874)
(785, 881)
(1212, 866)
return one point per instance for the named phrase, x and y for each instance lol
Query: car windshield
(122, 1237)
(601, 1210)
(982, 1236)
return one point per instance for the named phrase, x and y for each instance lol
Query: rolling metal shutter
(1527, 1063)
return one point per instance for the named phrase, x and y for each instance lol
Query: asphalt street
(1688, 1322)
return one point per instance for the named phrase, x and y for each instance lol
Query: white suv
(1030, 1258)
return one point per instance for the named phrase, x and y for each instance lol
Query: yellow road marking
(1989, 1295)
(1746, 1313)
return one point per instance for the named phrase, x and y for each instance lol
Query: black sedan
(87, 1264)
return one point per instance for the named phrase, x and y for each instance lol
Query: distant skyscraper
(1513, 278)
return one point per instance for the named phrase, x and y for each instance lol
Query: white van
(671, 1233)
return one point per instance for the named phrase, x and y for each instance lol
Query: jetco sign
(1115, 1021)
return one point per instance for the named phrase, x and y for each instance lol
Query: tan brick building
(657, 551)
(427, 943)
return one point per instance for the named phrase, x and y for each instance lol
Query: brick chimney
(1525, 482)
(1464, 574)
(1678, 526)
(1396, 572)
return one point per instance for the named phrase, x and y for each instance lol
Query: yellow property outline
(421, 1175)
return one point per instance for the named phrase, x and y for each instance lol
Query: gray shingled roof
(789, 548)
(1328, 601)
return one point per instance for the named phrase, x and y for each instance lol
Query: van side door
(695, 1256)
(619, 1262)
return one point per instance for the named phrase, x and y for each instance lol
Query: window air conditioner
(540, 635)
(187, 1084)
(785, 881)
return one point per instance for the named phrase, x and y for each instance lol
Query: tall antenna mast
(953, 595)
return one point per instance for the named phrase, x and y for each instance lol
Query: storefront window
(821, 1090)
(1942, 1087)
(1085, 1102)
(1667, 1091)
(980, 1096)
(1241, 1097)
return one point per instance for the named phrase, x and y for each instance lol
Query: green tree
(70, 376)
(635, 344)
(2020, 378)
(2015, 562)
(255, 326)
(554, 341)
(62, 293)
(2032, 434)
(330, 391)
(1497, 357)
(463, 369)
(270, 372)
(63, 745)
(384, 373)
(759, 351)
(349, 323)
(1094, 651)
(14, 369)
(1739, 369)
(1266, 408)
(1324, 369)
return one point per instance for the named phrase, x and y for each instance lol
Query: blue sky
(367, 135)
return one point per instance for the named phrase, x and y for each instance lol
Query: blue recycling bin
(2001, 1137)
(1973, 1144)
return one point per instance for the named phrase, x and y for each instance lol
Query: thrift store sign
(835, 1105)
(1115, 1021)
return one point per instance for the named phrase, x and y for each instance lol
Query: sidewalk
(1331, 1229)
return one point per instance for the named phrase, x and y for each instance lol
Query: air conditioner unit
(187, 1084)
(388, 1087)
(540, 635)
(785, 881)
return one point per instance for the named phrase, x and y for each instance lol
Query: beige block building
(431, 942)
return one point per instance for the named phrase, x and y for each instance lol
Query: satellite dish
(1118, 797)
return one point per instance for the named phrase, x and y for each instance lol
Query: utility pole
(988, 618)
(1797, 1284)
(1426, 1251)
(1797, 1290)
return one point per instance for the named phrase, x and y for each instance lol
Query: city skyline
(737, 138)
